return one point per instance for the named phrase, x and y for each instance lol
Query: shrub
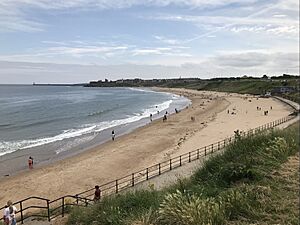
(233, 172)
(184, 209)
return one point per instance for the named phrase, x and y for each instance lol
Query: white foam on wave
(137, 116)
(142, 90)
(8, 146)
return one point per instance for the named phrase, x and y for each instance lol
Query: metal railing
(123, 183)
(50, 209)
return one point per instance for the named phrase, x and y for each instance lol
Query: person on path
(97, 194)
(10, 214)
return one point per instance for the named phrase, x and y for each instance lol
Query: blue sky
(81, 40)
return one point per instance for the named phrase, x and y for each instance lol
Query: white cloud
(225, 64)
(275, 30)
(167, 40)
(279, 16)
(14, 18)
(107, 4)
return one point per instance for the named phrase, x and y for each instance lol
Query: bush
(184, 209)
(233, 172)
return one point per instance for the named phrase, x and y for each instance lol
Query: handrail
(137, 177)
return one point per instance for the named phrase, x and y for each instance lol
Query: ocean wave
(11, 146)
(5, 125)
(97, 113)
(135, 117)
(8, 146)
(142, 90)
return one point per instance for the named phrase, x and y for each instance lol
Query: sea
(66, 119)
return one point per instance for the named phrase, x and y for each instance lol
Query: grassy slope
(243, 86)
(235, 188)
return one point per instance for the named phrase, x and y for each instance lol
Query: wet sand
(144, 146)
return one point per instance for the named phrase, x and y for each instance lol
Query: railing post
(218, 145)
(63, 207)
(132, 179)
(224, 142)
(198, 153)
(179, 160)
(48, 209)
(205, 151)
(147, 174)
(212, 148)
(117, 188)
(189, 157)
(159, 171)
(21, 211)
(170, 164)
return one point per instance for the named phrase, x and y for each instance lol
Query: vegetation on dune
(243, 85)
(235, 187)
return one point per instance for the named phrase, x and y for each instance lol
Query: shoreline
(47, 154)
(144, 146)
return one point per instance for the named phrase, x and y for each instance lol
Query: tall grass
(227, 187)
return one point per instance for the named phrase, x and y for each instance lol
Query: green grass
(243, 86)
(232, 187)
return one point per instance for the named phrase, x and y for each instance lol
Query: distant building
(283, 89)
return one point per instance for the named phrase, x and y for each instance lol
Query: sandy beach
(216, 115)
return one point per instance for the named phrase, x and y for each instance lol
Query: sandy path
(144, 146)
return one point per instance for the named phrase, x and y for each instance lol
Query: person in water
(113, 135)
(30, 162)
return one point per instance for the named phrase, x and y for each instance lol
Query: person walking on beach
(10, 214)
(113, 135)
(30, 162)
(165, 118)
(150, 117)
(97, 194)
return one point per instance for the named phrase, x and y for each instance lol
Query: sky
(74, 41)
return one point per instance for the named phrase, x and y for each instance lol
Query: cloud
(13, 19)
(117, 4)
(275, 30)
(14, 13)
(167, 40)
(224, 64)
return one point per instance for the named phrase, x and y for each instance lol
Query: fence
(44, 208)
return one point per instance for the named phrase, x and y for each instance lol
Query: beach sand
(145, 146)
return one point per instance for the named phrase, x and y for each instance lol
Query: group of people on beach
(9, 214)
